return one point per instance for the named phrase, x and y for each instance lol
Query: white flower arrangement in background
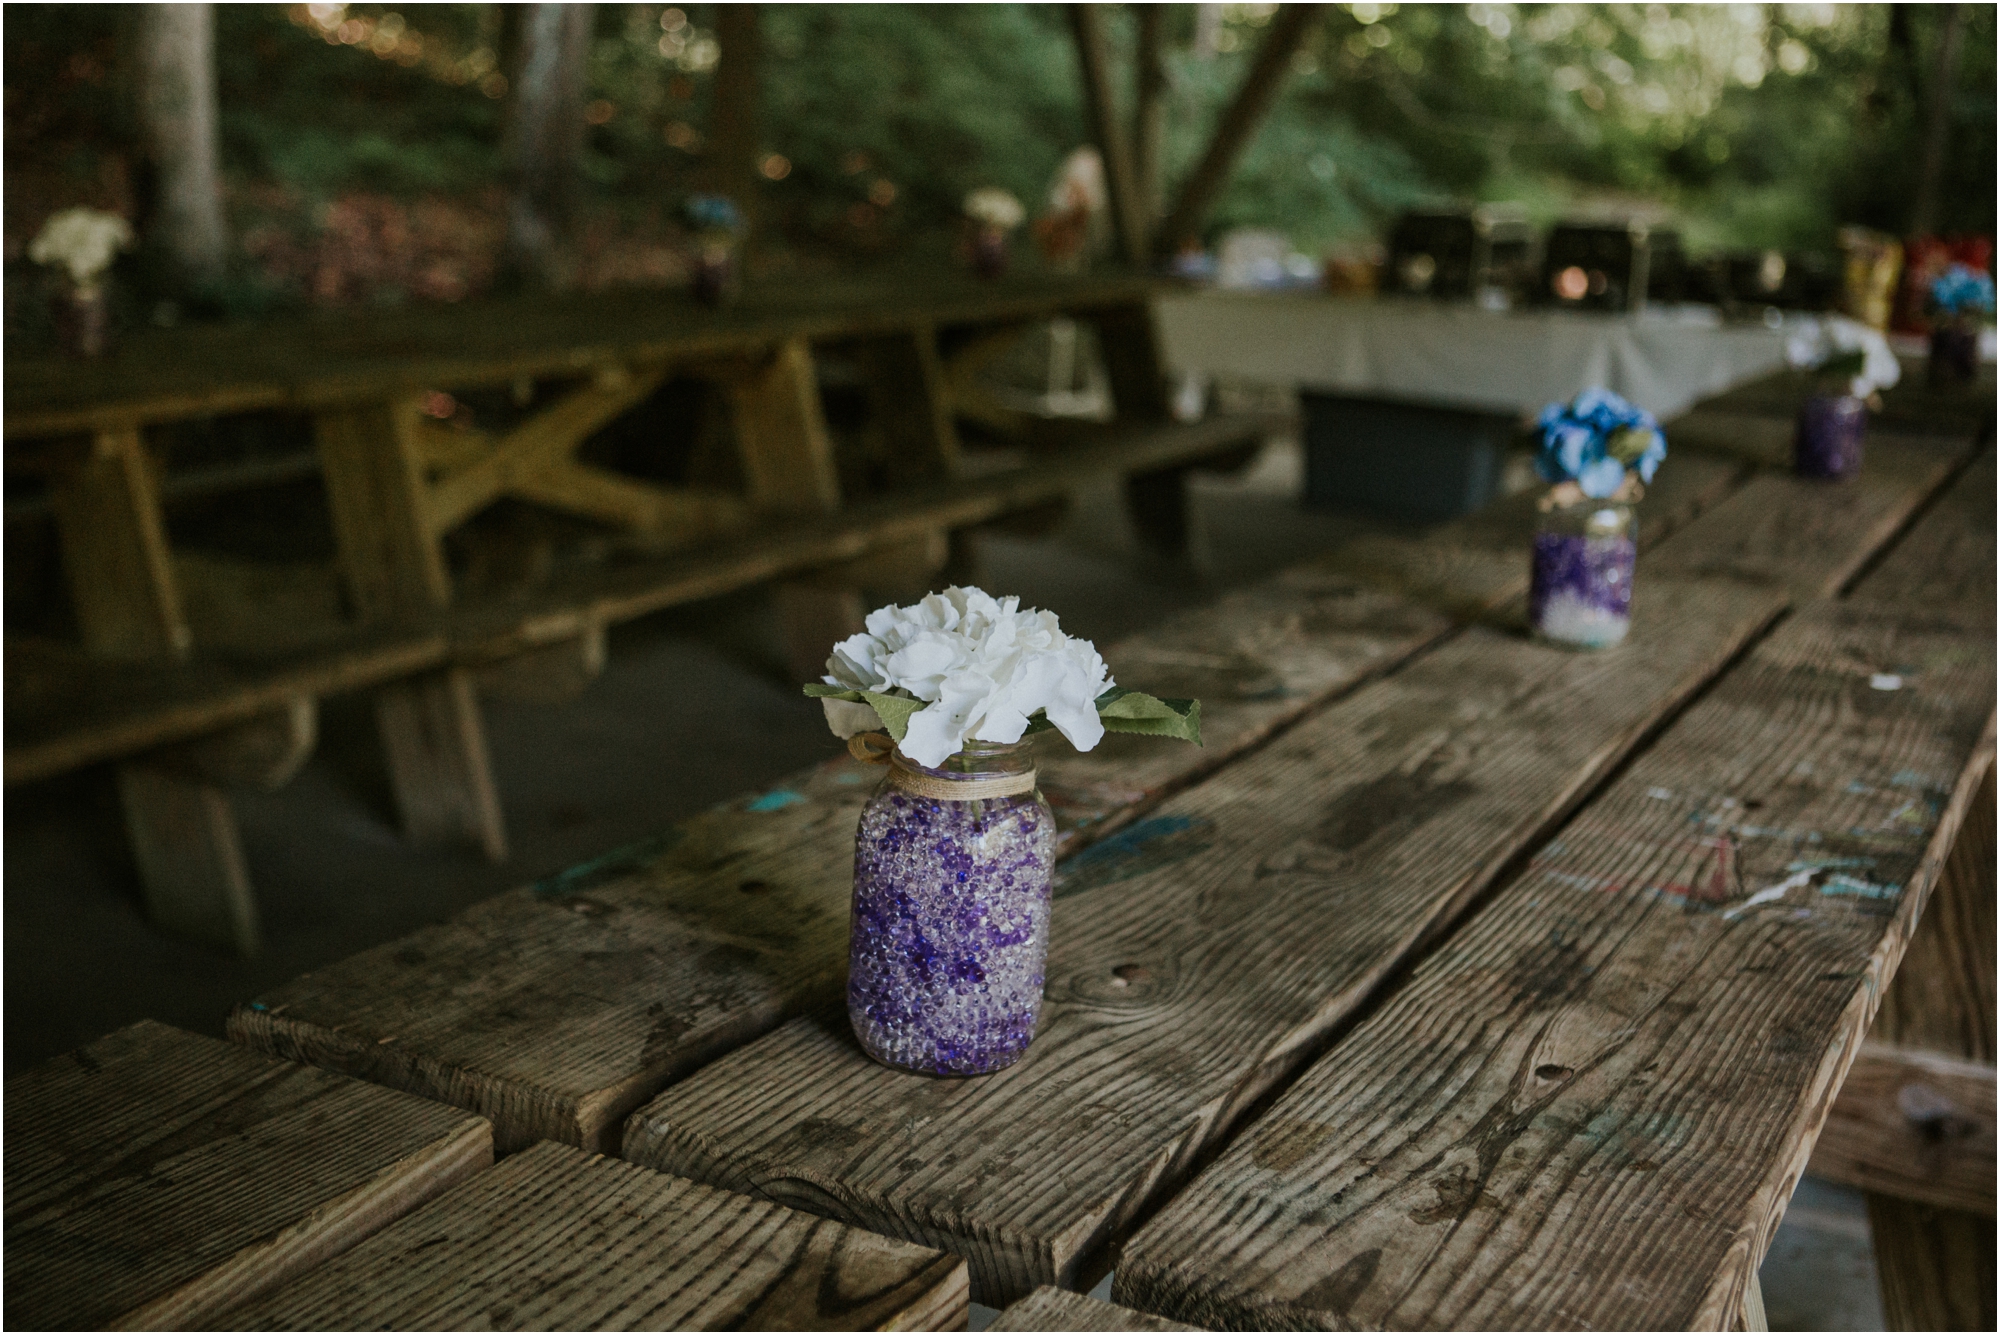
(1842, 349)
(83, 241)
(964, 666)
(996, 208)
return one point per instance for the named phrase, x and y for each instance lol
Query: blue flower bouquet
(1960, 298)
(717, 223)
(1599, 451)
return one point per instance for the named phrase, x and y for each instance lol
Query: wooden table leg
(121, 581)
(1936, 1265)
(1161, 509)
(393, 561)
(788, 468)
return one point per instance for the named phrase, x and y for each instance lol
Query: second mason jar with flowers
(955, 851)
(1600, 452)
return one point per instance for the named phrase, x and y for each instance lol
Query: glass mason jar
(1827, 440)
(714, 278)
(1580, 587)
(951, 912)
(989, 251)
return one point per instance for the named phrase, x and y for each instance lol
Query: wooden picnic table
(1458, 982)
(191, 709)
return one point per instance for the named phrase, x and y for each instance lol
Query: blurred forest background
(365, 147)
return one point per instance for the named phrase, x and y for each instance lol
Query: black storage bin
(1400, 460)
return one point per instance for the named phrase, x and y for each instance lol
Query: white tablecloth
(1461, 356)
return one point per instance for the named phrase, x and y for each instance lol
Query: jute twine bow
(876, 748)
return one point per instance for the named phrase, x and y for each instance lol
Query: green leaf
(1135, 711)
(893, 710)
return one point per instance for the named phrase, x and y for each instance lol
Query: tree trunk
(731, 166)
(1937, 127)
(546, 140)
(177, 124)
(1239, 123)
(1149, 110)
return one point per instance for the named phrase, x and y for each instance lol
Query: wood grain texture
(1588, 1108)
(1945, 562)
(393, 563)
(1049, 1308)
(1811, 537)
(1178, 992)
(558, 1009)
(1936, 1265)
(1475, 565)
(554, 1239)
(155, 1178)
(1913, 1125)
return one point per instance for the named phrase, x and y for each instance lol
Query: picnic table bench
(1457, 981)
(190, 707)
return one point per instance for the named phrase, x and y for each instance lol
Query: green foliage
(1752, 125)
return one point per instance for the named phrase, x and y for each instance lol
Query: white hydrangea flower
(983, 666)
(995, 207)
(1817, 340)
(84, 241)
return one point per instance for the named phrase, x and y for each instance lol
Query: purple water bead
(950, 930)
(1580, 590)
(1827, 440)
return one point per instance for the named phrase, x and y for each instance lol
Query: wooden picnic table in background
(1458, 981)
(192, 705)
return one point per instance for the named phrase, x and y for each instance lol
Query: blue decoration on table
(1594, 439)
(713, 213)
(1961, 290)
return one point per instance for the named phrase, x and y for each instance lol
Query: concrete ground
(693, 708)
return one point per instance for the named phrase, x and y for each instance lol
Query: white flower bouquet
(990, 206)
(82, 241)
(962, 665)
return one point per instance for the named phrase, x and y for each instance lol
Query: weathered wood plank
(556, 1011)
(114, 547)
(1945, 563)
(362, 358)
(1913, 1125)
(1049, 1308)
(83, 713)
(1937, 1265)
(554, 1239)
(1590, 1106)
(1472, 566)
(1811, 537)
(192, 874)
(1172, 1003)
(155, 1178)
(393, 564)
(1435, 778)
(128, 607)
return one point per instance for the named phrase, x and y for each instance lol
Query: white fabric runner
(1461, 356)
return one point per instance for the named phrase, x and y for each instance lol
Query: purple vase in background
(1954, 353)
(714, 276)
(1827, 440)
(951, 916)
(989, 251)
(1580, 583)
(83, 322)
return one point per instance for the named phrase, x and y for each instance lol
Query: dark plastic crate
(1399, 460)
